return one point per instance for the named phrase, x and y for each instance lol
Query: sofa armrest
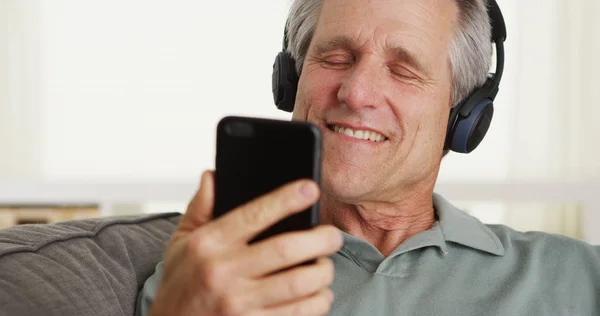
(83, 267)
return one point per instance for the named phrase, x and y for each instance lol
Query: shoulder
(543, 245)
(563, 271)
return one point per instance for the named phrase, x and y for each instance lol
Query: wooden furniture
(12, 215)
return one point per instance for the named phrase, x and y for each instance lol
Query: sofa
(88, 267)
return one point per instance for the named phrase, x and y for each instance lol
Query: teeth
(360, 134)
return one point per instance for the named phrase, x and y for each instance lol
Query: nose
(363, 86)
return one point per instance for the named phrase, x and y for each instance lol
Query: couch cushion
(85, 267)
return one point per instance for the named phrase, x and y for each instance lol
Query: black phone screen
(255, 156)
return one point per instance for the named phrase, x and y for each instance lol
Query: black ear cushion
(468, 132)
(450, 128)
(276, 80)
(470, 119)
(284, 82)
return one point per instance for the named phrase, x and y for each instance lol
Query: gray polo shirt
(460, 267)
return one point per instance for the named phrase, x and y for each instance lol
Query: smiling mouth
(358, 134)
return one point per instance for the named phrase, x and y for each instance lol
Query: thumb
(199, 210)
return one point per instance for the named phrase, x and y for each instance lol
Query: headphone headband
(497, 22)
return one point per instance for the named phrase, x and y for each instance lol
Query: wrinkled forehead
(388, 21)
(419, 29)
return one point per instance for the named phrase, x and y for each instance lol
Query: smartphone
(257, 155)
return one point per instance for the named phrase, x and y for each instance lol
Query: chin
(345, 184)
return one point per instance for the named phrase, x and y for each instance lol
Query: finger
(317, 304)
(199, 210)
(248, 220)
(291, 285)
(286, 250)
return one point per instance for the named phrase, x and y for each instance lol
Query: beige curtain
(555, 133)
(21, 88)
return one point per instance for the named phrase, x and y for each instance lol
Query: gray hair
(469, 52)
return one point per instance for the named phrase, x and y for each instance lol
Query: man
(379, 77)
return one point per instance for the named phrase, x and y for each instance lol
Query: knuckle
(204, 242)
(214, 276)
(283, 248)
(286, 198)
(229, 305)
(296, 285)
(290, 199)
(254, 215)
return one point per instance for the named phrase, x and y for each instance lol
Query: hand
(210, 269)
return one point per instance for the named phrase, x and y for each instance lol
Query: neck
(385, 225)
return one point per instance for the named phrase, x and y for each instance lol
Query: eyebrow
(400, 53)
(334, 43)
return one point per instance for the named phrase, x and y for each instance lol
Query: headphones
(469, 120)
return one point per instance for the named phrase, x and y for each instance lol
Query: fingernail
(308, 190)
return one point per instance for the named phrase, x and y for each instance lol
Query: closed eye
(403, 73)
(338, 61)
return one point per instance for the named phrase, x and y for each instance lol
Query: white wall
(135, 88)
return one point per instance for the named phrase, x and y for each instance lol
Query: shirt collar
(459, 227)
(453, 225)
(369, 257)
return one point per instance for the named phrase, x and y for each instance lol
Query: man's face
(379, 67)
